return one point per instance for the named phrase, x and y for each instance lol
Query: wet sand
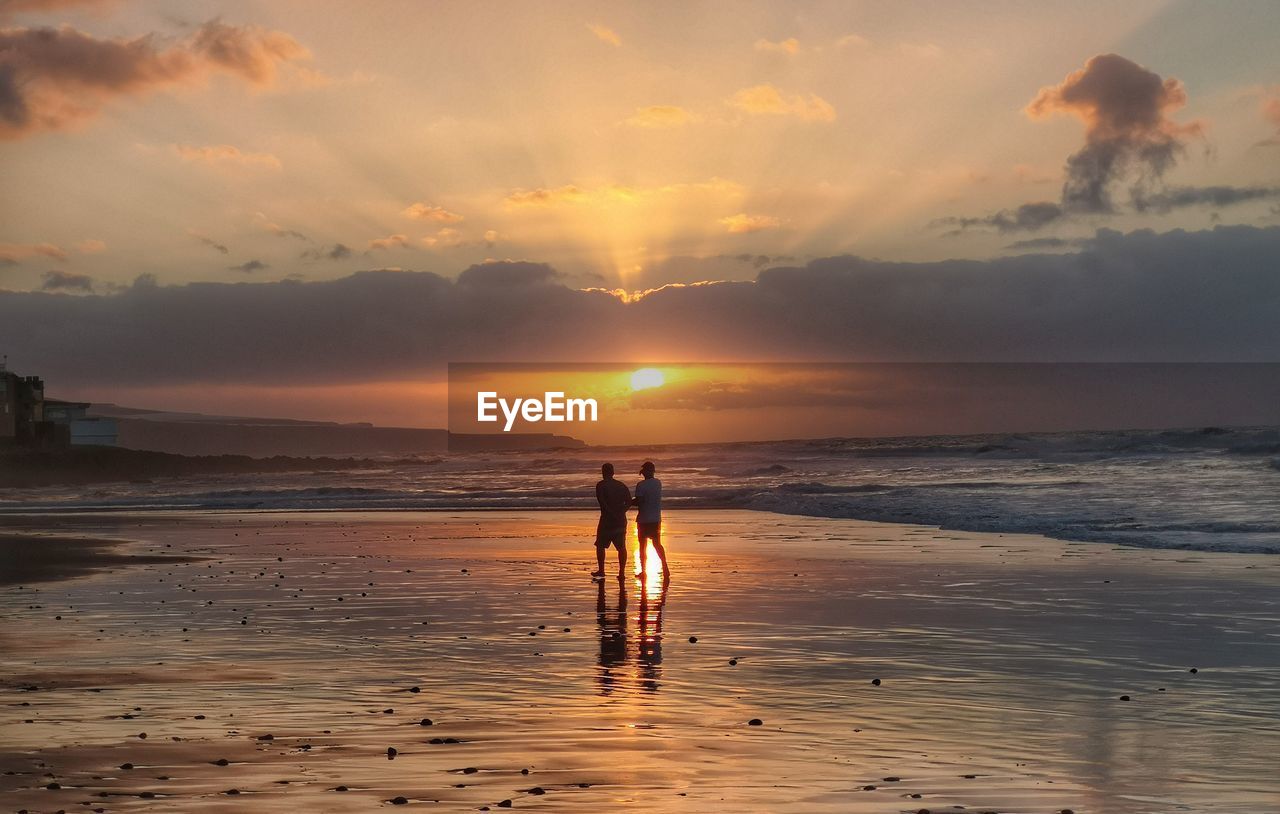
(891, 669)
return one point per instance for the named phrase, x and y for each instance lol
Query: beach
(464, 660)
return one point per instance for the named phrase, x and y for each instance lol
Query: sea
(1201, 489)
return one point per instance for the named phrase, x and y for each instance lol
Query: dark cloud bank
(1177, 296)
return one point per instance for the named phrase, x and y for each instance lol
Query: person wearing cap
(649, 519)
(614, 499)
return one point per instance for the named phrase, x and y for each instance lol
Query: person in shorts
(614, 499)
(649, 519)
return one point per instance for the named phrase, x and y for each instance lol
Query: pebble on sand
(426, 722)
(1124, 698)
(391, 753)
(875, 681)
(693, 640)
(398, 801)
(755, 722)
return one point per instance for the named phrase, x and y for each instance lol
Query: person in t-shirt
(649, 519)
(614, 499)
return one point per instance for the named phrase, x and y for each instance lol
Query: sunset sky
(194, 194)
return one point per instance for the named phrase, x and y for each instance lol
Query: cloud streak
(743, 223)
(58, 78)
(11, 253)
(226, 155)
(767, 100)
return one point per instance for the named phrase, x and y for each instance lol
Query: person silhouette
(614, 499)
(649, 518)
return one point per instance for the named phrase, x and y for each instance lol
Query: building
(30, 421)
(84, 429)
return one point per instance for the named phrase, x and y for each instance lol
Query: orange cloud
(425, 211)
(58, 78)
(91, 246)
(605, 34)
(17, 252)
(658, 117)
(789, 46)
(742, 223)
(226, 154)
(389, 242)
(617, 193)
(544, 197)
(766, 100)
(1271, 112)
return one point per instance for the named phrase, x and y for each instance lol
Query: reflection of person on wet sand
(613, 634)
(614, 499)
(650, 625)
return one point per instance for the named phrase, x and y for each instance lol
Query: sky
(309, 208)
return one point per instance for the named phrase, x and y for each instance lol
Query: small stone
(755, 722)
(470, 770)
(391, 753)
(398, 801)
(222, 761)
(426, 722)
(341, 788)
(415, 689)
(266, 737)
(868, 788)
(126, 766)
(537, 790)
(505, 804)
(733, 662)
(524, 771)
(232, 791)
(891, 779)
(53, 786)
(1124, 698)
(875, 682)
(693, 640)
(1193, 670)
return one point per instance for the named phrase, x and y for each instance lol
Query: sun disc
(646, 377)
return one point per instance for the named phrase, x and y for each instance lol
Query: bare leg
(599, 562)
(644, 557)
(622, 562)
(662, 555)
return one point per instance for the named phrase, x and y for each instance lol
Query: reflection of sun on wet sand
(891, 668)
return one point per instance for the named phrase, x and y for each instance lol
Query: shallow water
(1001, 663)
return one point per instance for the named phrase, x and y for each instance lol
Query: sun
(646, 377)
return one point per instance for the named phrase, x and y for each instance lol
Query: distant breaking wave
(1207, 489)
